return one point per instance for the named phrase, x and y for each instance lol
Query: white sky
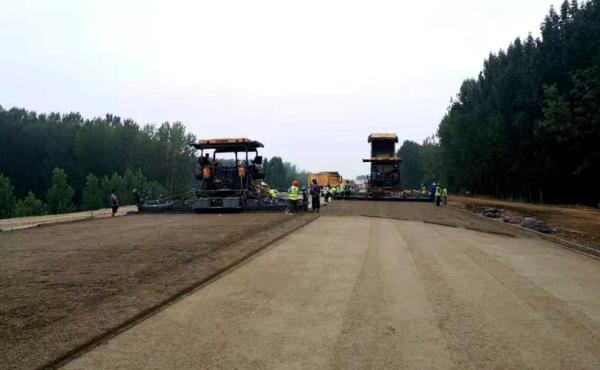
(309, 79)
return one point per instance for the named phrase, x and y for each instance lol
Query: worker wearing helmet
(293, 194)
(315, 192)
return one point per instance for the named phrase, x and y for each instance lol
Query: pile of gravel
(492, 213)
(537, 225)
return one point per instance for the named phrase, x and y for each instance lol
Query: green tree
(92, 194)
(528, 126)
(431, 162)
(30, 206)
(275, 173)
(60, 195)
(7, 197)
(114, 182)
(411, 174)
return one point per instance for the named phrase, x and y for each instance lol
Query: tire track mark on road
(575, 332)
(483, 318)
(388, 322)
(461, 296)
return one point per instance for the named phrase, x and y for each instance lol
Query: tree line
(528, 126)
(279, 174)
(421, 163)
(55, 163)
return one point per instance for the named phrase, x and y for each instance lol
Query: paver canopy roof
(240, 144)
(384, 136)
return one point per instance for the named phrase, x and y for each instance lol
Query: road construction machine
(383, 182)
(330, 178)
(384, 179)
(232, 183)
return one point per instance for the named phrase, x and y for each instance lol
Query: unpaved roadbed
(378, 293)
(19, 223)
(62, 285)
(425, 212)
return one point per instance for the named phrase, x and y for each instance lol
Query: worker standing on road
(293, 193)
(326, 193)
(114, 202)
(304, 199)
(438, 194)
(444, 196)
(432, 190)
(315, 194)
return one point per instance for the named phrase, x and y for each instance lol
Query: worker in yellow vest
(438, 194)
(273, 194)
(333, 192)
(293, 194)
(444, 196)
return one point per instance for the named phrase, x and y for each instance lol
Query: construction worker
(315, 193)
(114, 202)
(423, 191)
(333, 192)
(293, 194)
(438, 194)
(326, 193)
(273, 194)
(432, 190)
(444, 196)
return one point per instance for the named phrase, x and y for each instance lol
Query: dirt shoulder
(66, 284)
(573, 223)
(18, 223)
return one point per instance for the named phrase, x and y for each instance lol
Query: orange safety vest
(206, 172)
(241, 171)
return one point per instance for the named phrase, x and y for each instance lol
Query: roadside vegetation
(528, 126)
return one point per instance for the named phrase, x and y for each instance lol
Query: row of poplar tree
(40, 151)
(528, 126)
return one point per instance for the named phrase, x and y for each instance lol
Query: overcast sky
(309, 79)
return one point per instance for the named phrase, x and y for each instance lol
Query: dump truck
(331, 178)
(232, 183)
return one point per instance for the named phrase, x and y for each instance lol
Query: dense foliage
(32, 145)
(421, 164)
(529, 126)
(280, 174)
